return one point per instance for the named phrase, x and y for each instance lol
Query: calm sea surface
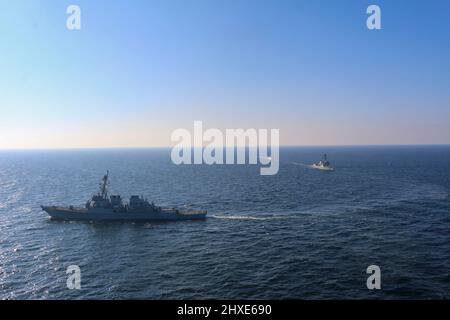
(300, 234)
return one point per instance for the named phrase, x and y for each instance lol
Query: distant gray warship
(324, 164)
(100, 207)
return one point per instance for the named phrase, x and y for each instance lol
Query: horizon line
(281, 146)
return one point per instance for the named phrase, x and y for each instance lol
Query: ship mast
(104, 186)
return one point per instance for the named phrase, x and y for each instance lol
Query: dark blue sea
(302, 233)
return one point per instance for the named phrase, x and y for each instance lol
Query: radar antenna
(104, 185)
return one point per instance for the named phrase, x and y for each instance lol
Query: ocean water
(300, 234)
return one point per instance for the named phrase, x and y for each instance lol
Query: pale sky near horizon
(137, 70)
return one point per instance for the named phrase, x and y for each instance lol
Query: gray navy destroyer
(101, 207)
(324, 164)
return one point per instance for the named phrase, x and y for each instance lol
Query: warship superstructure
(102, 207)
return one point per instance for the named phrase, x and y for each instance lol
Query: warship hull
(102, 214)
(314, 166)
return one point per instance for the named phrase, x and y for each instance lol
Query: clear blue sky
(137, 70)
